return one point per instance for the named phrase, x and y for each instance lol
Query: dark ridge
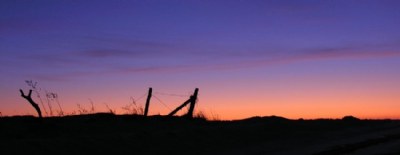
(350, 118)
(107, 133)
(266, 118)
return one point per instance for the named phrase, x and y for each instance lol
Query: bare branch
(30, 100)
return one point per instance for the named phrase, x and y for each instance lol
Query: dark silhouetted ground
(123, 134)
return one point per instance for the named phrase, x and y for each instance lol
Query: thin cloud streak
(103, 61)
(187, 68)
(264, 62)
(109, 53)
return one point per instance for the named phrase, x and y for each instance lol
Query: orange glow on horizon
(314, 110)
(308, 94)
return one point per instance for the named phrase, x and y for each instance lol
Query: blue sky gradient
(63, 43)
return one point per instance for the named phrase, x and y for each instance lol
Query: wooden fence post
(180, 107)
(146, 109)
(193, 99)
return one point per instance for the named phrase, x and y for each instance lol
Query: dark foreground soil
(122, 134)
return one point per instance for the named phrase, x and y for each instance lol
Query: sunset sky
(296, 59)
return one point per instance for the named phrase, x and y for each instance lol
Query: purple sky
(147, 43)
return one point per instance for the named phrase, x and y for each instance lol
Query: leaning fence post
(193, 99)
(180, 107)
(146, 109)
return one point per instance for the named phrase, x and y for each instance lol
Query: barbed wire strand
(171, 94)
(139, 98)
(161, 102)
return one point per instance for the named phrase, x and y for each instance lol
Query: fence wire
(165, 105)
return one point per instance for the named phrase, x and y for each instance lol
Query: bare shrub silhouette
(49, 104)
(209, 117)
(132, 108)
(214, 116)
(92, 109)
(201, 115)
(109, 109)
(34, 87)
(30, 100)
(53, 97)
(81, 110)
